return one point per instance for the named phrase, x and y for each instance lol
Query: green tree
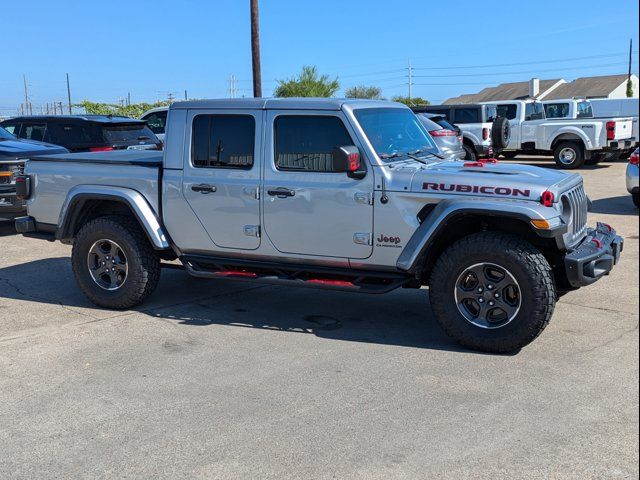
(411, 102)
(308, 84)
(629, 88)
(364, 91)
(133, 110)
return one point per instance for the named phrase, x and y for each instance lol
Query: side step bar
(292, 274)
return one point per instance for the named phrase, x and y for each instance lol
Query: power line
(591, 57)
(485, 74)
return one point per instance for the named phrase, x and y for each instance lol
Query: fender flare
(572, 131)
(136, 202)
(419, 243)
(474, 139)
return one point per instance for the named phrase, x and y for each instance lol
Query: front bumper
(595, 257)
(10, 206)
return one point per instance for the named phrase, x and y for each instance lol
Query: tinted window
(533, 111)
(466, 115)
(307, 143)
(156, 121)
(10, 127)
(34, 131)
(585, 110)
(223, 141)
(73, 134)
(429, 124)
(128, 134)
(439, 111)
(507, 111)
(556, 110)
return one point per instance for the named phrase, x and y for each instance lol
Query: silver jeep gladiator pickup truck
(339, 194)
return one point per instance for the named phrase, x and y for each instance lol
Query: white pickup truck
(572, 140)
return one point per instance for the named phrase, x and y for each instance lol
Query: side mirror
(347, 159)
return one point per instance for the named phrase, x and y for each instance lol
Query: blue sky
(150, 48)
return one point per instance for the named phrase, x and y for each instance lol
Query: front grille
(576, 200)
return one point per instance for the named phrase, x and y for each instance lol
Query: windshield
(4, 135)
(394, 132)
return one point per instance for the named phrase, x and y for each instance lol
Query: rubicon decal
(487, 190)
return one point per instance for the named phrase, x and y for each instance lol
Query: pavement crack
(37, 298)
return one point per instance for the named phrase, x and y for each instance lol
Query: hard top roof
(284, 103)
(86, 118)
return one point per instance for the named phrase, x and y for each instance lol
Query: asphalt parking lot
(223, 379)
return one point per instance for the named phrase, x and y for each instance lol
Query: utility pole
(27, 104)
(60, 105)
(255, 50)
(410, 73)
(68, 94)
(185, 94)
(128, 98)
(233, 90)
(170, 97)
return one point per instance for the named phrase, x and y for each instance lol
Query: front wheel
(113, 262)
(492, 292)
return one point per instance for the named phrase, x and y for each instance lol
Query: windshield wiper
(385, 156)
(423, 150)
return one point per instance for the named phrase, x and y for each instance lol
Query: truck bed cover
(145, 158)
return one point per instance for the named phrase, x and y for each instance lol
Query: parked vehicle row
(572, 140)
(85, 133)
(447, 137)
(329, 193)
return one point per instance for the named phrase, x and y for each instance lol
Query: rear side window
(585, 110)
(533, 111)
(34, 131)
(466, 115)
(223, 141)
(556, 110)
(507, 111)
(306, 143)
(439, 111)
(128, 134)
(156, 121)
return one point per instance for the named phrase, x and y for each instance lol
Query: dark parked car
(85, 133)
(13, 152)
(448, 137)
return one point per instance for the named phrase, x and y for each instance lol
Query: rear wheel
(470, 153)
(492, 292)
(569, 155)
(113, 262)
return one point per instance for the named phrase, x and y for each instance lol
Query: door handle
(203, 188)
(281, 192)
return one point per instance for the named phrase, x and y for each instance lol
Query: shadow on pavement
(7, 228)
(621, 205)
(401, 318)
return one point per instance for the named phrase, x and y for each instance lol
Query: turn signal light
(633, 159)
(547, 198)
(100, 149)
(541, 224)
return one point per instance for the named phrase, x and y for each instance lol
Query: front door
(309, 209)
(222, 178)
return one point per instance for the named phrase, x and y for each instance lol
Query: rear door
(308, 208)
(222, 177)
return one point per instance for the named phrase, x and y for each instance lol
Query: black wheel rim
(487, 295)
(107, 264)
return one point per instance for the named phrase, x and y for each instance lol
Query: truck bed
(56, 175)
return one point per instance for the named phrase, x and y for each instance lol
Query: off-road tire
(509, 155)
(142, 261)
(578, 155)
(500, 133)
(529, 267)
(470, 153)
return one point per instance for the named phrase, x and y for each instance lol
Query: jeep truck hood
(502, 180)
